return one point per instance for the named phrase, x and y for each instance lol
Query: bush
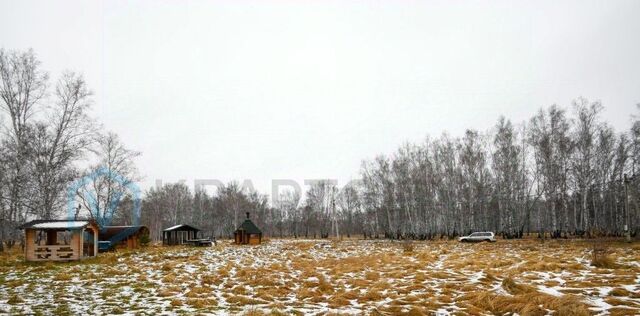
(176, 302)
(514, 288)
(619, 292)
(14, 300)
(600, 257)
(603, 262)
(145, 240)
(407, 246)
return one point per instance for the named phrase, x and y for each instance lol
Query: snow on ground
(321, 276)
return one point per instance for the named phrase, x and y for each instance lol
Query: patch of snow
(598, 304)
(173, 227)
(549, 290)
(475, 277)
(632, 287)
(61, 225)
(604, 291)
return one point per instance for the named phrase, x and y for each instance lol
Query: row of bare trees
(46, 134)
(217, 215)
(561, 173)
(326, 211)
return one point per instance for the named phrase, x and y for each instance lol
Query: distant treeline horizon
(559, 174)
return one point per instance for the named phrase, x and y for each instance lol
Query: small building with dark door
(248, 233)
(179, 234)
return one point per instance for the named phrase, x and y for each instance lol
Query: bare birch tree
(22, 87)
(108, 182)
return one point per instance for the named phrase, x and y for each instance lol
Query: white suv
(479, 236)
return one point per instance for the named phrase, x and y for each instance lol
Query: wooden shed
(179, 234)
(60, 240)
(248, 233)
(129, 237)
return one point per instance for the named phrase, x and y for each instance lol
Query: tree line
(564, 172)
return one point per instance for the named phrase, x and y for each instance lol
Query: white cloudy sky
(265, 90)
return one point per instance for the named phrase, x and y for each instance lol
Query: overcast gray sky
(265, 90)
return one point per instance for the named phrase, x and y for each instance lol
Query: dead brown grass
(63, 276)
(604, 261)
(621, 302)
(372, 276)
(242, 300)
(297, 276)
(619, 292)
(197, 292)
(370, 296)
(527, 304)
(514, 288)
(201, 302)
(408, 246)
(14, 300)
(600, 256)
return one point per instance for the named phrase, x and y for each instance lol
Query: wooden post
(81, 244)
(30, 244)
(627, 226)
(95, 242)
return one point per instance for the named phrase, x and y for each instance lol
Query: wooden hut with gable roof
(248, 233)
(179, 234)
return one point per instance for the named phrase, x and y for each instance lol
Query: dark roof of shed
(249, 227)
(181, 227)
(108, 232)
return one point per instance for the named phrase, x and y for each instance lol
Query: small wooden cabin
(129, 237)
(60, 240)
(248, 233)
(179, 235)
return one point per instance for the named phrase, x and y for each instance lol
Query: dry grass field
(284, 277)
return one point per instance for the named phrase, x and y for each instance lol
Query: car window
(476, 234)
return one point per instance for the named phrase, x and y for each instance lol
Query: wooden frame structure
(123, 236)
(248, 233)
(179, 235)
(78, 239)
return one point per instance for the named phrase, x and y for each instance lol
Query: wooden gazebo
(248, 233)
(179, 234)
(60, 240)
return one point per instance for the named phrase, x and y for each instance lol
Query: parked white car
(479, 236)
